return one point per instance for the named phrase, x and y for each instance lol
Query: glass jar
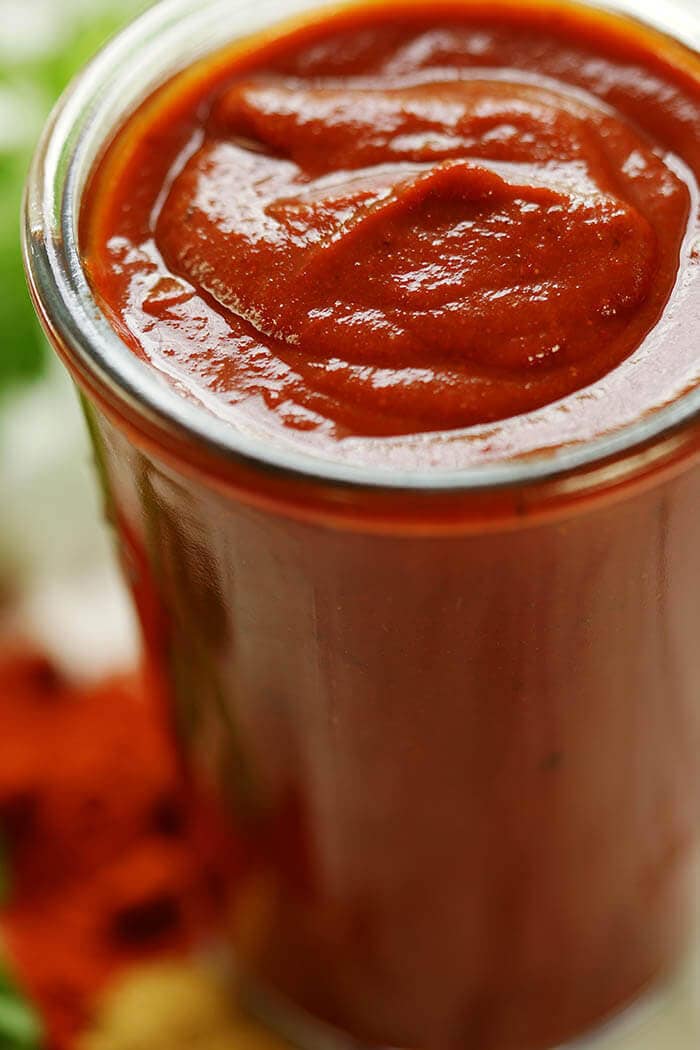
(454, 716)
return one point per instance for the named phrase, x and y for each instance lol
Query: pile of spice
(97, 827)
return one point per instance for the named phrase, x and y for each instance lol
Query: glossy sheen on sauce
(422, 241)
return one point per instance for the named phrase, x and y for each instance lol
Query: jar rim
(80, 127)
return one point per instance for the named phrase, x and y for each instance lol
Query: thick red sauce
(390, 224)
(463, 766)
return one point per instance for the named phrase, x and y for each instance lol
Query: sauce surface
(424, 240)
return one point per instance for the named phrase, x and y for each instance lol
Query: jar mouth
(167, 39)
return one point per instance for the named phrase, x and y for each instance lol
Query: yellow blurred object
(174, 1006)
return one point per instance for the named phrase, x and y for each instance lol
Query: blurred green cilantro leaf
(50, 42)
(21, 347)
(20, 1025)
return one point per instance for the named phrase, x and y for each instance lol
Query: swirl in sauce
(399, 240)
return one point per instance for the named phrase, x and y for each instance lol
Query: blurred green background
(49, 529)
(42, 44)
(50, 535)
